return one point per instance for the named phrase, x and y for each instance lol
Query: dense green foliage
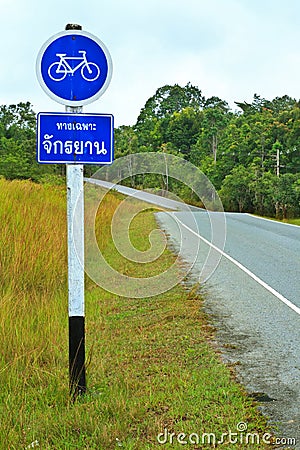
(251, 155)
(17, 145)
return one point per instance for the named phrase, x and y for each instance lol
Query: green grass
(151, 366)
(291, 221)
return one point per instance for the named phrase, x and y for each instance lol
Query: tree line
(18, 146)
(251, 155)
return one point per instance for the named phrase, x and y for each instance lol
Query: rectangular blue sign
(64, 138)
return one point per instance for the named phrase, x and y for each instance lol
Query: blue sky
(228, 48)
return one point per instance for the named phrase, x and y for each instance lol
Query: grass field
(293, 221)
(290, 221)
(151, 366)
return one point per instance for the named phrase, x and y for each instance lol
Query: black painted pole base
(77, 356)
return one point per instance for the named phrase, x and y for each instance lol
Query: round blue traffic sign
(74, 67)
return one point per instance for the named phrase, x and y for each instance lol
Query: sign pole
(75, 219)
(74, 68)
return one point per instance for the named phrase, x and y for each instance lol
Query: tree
(18, 143)
(155, 115)
(17, 121)
(286, 197)
(169, 99)
(183, 130)
(125, 140)
(257, 105)
(235, 192)
(263, 186)
(214, 120)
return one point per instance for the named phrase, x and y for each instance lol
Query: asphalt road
(249, 271)
(252, 296)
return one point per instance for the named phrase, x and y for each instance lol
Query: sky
(232, 49)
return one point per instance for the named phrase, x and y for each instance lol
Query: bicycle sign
(74, 67)
(58, 70)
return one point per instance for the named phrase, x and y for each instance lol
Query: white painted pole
(75, 218)
(75, 215)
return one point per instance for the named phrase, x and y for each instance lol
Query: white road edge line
(244, 269)
(240, 266)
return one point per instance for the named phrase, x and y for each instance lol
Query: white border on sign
(64, 101)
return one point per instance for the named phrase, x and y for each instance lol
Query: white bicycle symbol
(58, 70)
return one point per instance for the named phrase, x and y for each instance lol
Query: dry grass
(150, 364)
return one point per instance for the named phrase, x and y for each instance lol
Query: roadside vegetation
(151, 363)
(290, 221)
(294, 221)
(250, 154)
